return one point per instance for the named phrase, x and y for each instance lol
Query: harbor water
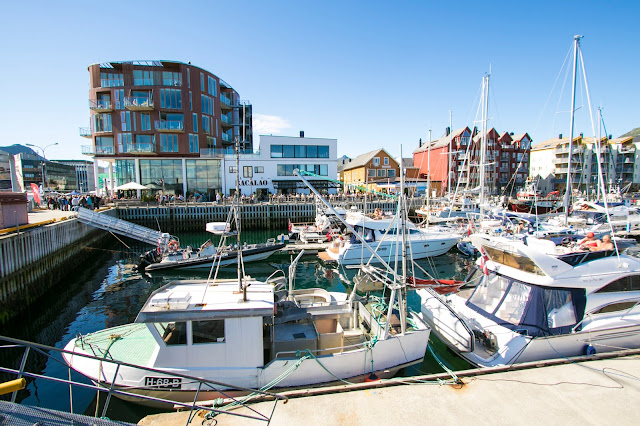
(108, 292)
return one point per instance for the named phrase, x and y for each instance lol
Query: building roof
(443, 141)
(363, 159)
(622, 140)
(551, 143)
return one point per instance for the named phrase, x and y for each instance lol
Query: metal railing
(85, 132)
(144, 147)
(203, 385)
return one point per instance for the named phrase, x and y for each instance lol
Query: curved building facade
(164, 124)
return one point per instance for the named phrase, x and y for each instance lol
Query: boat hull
(229, 258)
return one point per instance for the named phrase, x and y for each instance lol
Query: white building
(269, 170)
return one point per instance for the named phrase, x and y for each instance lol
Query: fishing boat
(530, 200)
(252, 334)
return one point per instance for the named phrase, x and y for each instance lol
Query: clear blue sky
(368, 73)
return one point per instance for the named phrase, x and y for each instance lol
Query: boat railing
(472, 339)
(323, 351)
(109, 388)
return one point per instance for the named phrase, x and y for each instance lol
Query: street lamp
(44, 159)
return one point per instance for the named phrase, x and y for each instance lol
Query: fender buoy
(173, 245)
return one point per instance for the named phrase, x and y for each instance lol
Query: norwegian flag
(483, 261)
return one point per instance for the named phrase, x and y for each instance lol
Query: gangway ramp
(122, 227)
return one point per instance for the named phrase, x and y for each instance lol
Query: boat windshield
(529, 309)
(367, 233)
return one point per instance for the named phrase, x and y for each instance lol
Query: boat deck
(136, 349)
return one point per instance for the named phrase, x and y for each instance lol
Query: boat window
(365, 232)
(208, 331)
(512, 307)
(559, 308)
(173, 333)
(628, 283)
(489, 292)
(615, 307)
(513, 260)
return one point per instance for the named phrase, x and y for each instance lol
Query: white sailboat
(534, 300)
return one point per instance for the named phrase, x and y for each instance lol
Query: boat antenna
(568, 191)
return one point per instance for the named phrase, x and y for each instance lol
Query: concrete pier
(604, 391)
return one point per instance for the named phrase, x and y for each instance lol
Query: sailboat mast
(237, 214)
(403, 218)
(428, 176)
(483, 141)
(567, 192)
(449, 171)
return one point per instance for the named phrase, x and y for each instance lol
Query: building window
(119, 98)
(102, 123)
(211, 89)
(211, 142)
(391, 173)
(300, 151)
(171, 98)
(124, 142)
(195, 122)
(386, 161)
(111, 80)
(125, 120)
(258, 169)
(193, 143)
(232, 169)
(206, 104)
(169, 142)
(371, 172)
(247, 171)
(188, 78)
(145, 121)
(323, 151)
(276, 151)
(376, 161)
(382, 173)
(206, 125)
(171, 78)
(142, 78)
(201, 82)
(190, 102)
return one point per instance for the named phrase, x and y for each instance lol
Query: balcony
(170, 126)
(226, 137)
(562, 160)
(565, 150)
(221, 152)
(137, 103)
(100, 105)
(225, 102)
(85, 132)
(627, 150)
(139, 148)
(97, 150)
(227, 122)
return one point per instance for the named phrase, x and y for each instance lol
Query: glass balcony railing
(221, 152)
(97, 150)
(225, 100)
(169, 126)
(225, 119)
(138, 103)
(99, 105)
(85, 132)
(139, 148)
(227, 137)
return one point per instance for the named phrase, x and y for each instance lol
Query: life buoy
(173, 245)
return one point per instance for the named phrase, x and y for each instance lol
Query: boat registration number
(163, 382)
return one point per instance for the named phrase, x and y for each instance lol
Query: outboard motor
(152, 256)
